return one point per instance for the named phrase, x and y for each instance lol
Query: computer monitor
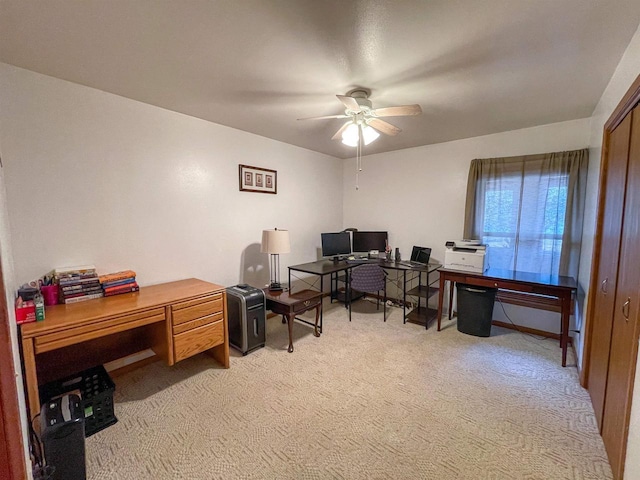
(367, 241)
(420, 254)
(335, 244)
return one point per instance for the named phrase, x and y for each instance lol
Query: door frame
(11, 436)
(626, 104)
(624, 108)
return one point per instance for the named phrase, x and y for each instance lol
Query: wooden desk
(176, 320)
(551, 285)
(291, 304)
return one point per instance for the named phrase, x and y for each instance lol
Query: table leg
(322, 292)
(290, 318)
(451, 284)
(347, 290)
(440, 299)
(318, 313)
(564, 332)
(31, 378)
(404, 296)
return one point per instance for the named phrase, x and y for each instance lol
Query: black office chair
(369, 279)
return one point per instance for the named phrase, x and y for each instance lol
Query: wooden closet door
(624, 338)
(609, 249)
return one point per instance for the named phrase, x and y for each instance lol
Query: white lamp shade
(275, 241)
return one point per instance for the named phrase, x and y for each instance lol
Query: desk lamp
(275, 242)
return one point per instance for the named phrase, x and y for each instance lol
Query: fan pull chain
(358, 157)
(357, 166)
(360, 140)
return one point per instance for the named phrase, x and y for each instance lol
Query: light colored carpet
(366, 400)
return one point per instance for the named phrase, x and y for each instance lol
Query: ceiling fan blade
(338, 134)
(326, 116)
(383, 127)
(399, 111)
(349, 102)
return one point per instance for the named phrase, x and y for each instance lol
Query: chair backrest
(368, 278)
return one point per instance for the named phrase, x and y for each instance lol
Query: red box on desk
(26, 314)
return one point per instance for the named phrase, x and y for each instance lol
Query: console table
(556, 286)
(291, 304)
(176, 320)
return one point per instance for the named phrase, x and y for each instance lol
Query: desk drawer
(198, 340)
(504, 284)
(480, 282)
(71, 336)
(198, 322)
(306, 305)
(194, 309)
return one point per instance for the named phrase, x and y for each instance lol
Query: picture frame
(257, 179)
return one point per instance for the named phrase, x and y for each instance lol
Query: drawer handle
(603, 286)
(307, 303)
(625, 309)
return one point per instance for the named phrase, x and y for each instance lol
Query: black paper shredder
(246, 314)
(62, 427)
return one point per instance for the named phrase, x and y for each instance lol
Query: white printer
(467, 255)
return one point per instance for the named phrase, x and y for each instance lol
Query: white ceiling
(475, 66)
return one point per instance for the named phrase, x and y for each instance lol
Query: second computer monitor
(366, 241)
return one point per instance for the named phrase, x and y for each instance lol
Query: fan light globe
(369, 134)
(351, 134)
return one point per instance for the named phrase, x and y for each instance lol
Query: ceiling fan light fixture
(352, 133)
(369, 134)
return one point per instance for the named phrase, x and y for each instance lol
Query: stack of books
(77, 284)
(119, 282)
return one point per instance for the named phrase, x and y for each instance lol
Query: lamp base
(275, 287)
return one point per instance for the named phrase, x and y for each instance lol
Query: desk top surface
(522, 277)
(59, 317)
(324, 267)
(287, 298)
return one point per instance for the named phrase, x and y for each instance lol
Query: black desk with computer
(343, 251)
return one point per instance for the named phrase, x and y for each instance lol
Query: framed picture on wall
(257, 179)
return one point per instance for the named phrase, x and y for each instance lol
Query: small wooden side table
(291, 304)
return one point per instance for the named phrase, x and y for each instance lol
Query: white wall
(418, 194)
(94, 178)
(626, 72)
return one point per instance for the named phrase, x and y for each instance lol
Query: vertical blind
(529, 210)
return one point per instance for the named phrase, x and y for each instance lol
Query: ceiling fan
(364, 121)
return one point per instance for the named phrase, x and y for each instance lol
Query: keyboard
(412, 264)
(359, 261)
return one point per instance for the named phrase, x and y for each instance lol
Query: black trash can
(475, 309)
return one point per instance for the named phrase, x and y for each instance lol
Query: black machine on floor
(62, 427)
(246, 314)
(475, 309)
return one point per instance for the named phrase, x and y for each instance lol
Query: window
(528, 210)
(523, 222)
